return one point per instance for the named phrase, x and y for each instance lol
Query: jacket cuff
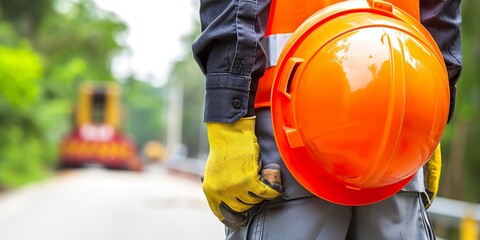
(227, 97)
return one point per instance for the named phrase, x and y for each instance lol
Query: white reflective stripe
(273, 45)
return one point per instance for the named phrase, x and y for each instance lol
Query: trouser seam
(259, 223)
(425, 220)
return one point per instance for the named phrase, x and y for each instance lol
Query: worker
(243, 146)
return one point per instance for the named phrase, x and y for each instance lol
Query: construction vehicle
(96, 136)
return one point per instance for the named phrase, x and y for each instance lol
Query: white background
(154, 36)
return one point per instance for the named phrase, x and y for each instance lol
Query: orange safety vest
(285, 17)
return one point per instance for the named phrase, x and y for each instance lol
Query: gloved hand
(232, 182)
(432, 172)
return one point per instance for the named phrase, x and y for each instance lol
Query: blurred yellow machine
(154, 151)
(96, 136)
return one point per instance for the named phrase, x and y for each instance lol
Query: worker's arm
(442, 19)
(230, 55)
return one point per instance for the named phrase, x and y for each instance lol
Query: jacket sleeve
(442, 19)
(229, 53)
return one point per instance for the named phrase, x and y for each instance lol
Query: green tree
(44, 55)
(20, 72)
(26, 16)
(144, 111)
(88, 40)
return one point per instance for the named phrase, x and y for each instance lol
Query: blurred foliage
(25, 16)
(461, 155)
(20, 72)
(47, 49)
(144, 108)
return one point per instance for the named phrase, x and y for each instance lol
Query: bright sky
(154, 35)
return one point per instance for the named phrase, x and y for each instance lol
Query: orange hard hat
(360, 101)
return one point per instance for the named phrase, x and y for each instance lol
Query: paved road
(97, 204)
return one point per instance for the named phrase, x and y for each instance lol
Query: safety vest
(284, 18)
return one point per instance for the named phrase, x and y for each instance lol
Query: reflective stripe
(273, 45)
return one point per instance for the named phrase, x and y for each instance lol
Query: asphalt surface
(98, 204)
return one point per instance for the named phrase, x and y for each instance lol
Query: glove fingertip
(232, 219)
(278, 188)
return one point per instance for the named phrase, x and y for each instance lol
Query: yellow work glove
(432, 172)
(232, 181)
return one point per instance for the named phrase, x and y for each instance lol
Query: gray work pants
(300, 215)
